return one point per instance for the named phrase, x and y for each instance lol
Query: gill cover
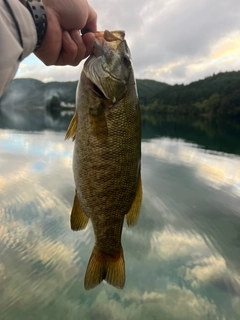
(109, 67)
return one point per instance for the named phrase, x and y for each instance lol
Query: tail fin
(103, 266)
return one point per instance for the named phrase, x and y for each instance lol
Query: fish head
(109, 67)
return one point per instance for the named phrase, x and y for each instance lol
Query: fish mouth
(95, 68)
(94, 80)
(93, 73)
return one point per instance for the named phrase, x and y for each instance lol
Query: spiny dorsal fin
(133, 213)
(78, 219)
(72, 129)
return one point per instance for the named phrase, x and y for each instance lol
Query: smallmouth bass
(106, 128)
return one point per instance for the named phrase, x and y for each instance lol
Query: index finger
(91, 24)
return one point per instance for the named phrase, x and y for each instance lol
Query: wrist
(38, 13)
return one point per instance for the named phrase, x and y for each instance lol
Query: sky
(172, 41)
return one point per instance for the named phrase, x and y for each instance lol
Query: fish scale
(107, 154)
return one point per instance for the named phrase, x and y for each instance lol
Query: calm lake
(182, 258)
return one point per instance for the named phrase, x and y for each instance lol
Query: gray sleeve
(18, 39)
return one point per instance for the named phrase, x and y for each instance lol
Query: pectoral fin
(72, 129)
(133, 213)
(78, 218)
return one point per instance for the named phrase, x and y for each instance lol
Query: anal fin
(133, 213)
(72, 128)
(78, 219)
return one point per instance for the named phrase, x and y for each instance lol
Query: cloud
(175, 41)
(174, 245)
(172, 303)
(47, 74)
(208, 167)
(213, 270)
(179, 303)
(236, 305)
(168, 269)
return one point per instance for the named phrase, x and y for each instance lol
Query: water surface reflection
(182, 258)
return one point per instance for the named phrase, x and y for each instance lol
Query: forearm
(51, 28)
(18, 38)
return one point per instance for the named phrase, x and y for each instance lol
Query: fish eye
(126, 60)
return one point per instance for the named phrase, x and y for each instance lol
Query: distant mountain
(27, 92)
(148, 89)
(215, 95)
(221, 83)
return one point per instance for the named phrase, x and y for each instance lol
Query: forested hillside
(215, 95)
(218, 95)
(31, 92)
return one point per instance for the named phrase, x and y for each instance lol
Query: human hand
(63, 43)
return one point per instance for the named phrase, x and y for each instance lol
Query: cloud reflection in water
(182, 259)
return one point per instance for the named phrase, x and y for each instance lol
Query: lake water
(182, 258)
